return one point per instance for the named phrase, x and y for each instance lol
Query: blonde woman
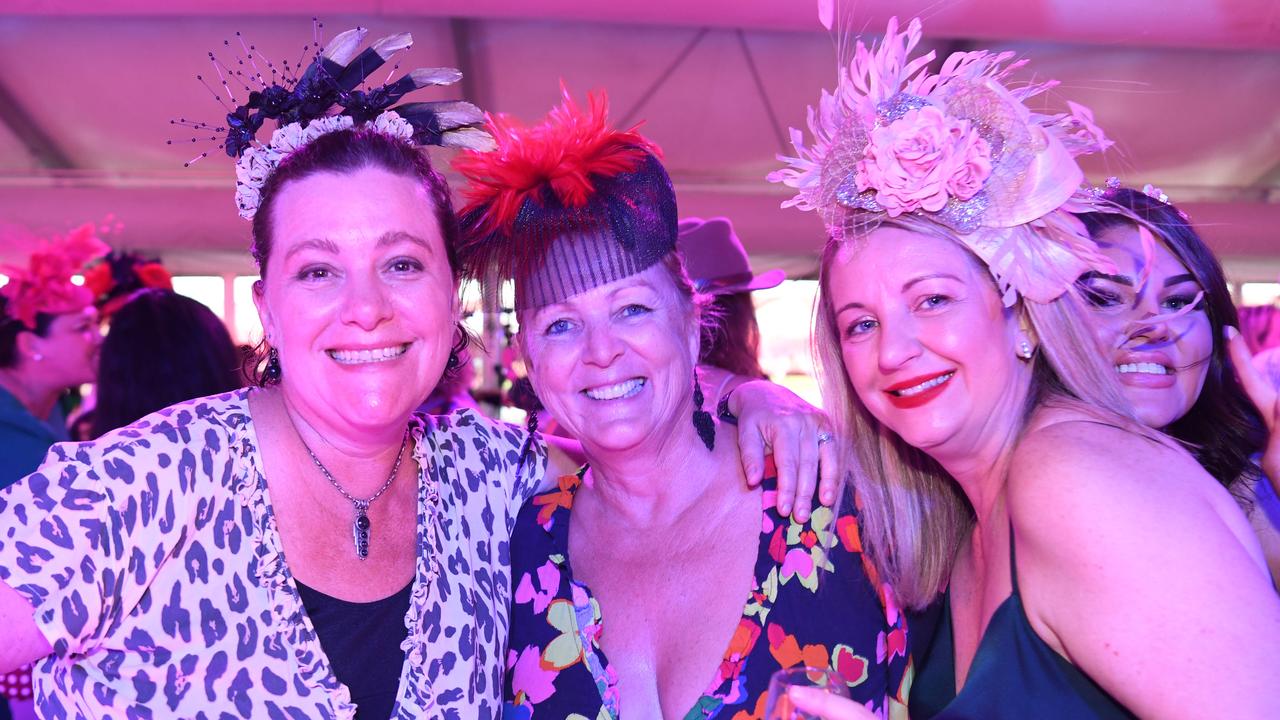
(1085, 560)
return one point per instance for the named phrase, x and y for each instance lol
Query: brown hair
(731, 339)
(347, 151)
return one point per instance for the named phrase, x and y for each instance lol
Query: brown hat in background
(716, 260)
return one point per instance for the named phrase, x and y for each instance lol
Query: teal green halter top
(1014, 673)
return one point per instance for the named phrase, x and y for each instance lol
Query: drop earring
(272, 372)
(702, 421)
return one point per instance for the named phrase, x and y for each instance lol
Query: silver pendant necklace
(360, 526)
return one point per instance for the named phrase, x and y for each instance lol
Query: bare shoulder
(1111, 525)
(1067, 457)
(1073, 476)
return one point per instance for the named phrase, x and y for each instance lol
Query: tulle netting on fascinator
(960, 148)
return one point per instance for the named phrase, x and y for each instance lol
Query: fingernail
(827, 497)
(784, 508)
(1230, 332)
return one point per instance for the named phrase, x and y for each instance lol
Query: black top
(1014, 673)
(362, 642)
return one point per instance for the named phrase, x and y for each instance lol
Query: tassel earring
(702, 421)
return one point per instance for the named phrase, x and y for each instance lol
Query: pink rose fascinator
(45, 285)
(959, 148)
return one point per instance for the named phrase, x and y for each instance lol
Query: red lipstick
(920, 398)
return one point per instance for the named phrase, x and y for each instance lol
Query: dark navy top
(362, 642)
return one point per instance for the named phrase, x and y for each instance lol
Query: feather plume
(423, 77)
(392, 44)
(557, 162)
(563, 155)
(342, 48)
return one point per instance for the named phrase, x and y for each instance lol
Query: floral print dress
(814, 602)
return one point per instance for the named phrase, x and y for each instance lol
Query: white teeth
(616, 392)
(355, 357)
(917, 389)
(1142, 367)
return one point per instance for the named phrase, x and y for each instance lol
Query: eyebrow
(1095, 275)
(325, 245)
(1178, 279)
(392, 237)
(1127, 281)
(388, 238)
(905, 287)
(932, 276)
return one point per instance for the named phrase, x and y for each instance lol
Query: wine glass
(778, 706)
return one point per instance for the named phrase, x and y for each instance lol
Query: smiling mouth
(617, 391)
(1144, 368)
(358, 357)
(926, 385)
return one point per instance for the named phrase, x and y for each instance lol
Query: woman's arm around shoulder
(1141, 569)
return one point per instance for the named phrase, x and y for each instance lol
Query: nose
(367, 303)
(1147, 328)
(602, 346)
(898, 344)
(1151, 327)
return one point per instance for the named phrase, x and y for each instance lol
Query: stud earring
(1024, 350)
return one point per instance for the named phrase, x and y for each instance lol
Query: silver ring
(824, 437)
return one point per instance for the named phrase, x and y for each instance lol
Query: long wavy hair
(913, 514)
(1223, 429)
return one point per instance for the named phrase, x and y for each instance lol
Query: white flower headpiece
(258, 162)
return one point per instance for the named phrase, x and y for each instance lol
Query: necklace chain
(361, 526)
(354, 500)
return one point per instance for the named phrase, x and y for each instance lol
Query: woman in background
(49, 342)
(1163, 316)
(163, 348)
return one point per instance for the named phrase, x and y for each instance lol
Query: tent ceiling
(87, 90)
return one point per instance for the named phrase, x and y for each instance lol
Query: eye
(635, 309)
(1178, 302)
(406, 265)
(1099, 297)
(860, 327)
(936, 300)
(558, 327)
(314, 272)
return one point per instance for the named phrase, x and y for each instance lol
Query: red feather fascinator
(569, 176)
(564, 154)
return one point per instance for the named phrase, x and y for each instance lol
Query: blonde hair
(912, 514)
